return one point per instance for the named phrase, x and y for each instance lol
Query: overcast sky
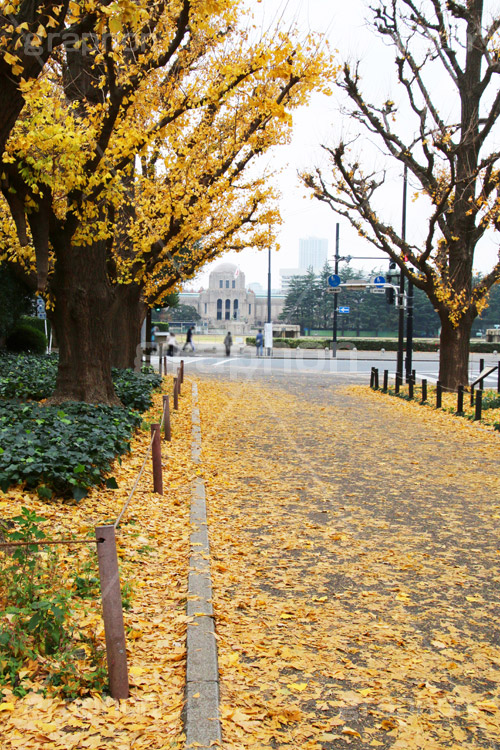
(321, 123)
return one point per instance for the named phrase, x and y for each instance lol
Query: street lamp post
(335, 305)
(269, 284)
(401, 320)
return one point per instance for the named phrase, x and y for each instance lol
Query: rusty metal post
(182, 370)
(386, 381)
(176, 394)
(156, 457)
(167, 429)
(112, 612)
(165, 360)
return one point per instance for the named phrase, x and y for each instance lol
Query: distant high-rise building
(286, 275)
(313, 253)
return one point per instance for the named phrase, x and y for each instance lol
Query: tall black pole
(269, 284)
(409, 299)
(401, 320)
(335, 298)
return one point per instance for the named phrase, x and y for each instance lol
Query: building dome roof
(225, 268)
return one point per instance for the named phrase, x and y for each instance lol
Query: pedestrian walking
(189, 339)
(172, 344)
(228, 341)
(259, 343)
(154, 331)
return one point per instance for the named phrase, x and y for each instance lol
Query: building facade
(227, 303)
(313, 253)
(286, 275)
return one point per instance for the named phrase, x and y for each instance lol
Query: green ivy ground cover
(63, 450)
(28, 376)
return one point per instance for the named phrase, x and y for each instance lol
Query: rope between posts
(138, 478)
(132, 491)
(43, 542)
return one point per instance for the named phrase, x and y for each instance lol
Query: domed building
(228, 304)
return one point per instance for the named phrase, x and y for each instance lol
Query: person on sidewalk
(228, 342)
(189, 339)
(172, 344)
(259, 343)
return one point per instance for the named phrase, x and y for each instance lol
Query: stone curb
(201, 712)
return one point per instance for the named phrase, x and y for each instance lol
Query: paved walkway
(355, 562)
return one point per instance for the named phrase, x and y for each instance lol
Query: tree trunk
(12, 103)
(454, 352)
(127, 316)
(82, 317)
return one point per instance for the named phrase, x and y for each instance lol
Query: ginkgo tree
(442, 125)
(130, 165)
(30, 31)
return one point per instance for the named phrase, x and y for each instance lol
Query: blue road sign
(334, 280)
(40, 309)
(344, 310)
(379, 280)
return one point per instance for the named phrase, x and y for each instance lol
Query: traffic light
(392, 278)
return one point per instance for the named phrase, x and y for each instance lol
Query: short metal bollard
(439, 394)
(479, 406)
(156, 458)
(112, 612)
(375, 379)
(182, 371)
(424, 391)
(386, 381)
(460, 400)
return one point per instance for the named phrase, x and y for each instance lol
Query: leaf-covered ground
(153, 550)
(355, 557)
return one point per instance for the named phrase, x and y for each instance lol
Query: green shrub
(38, 323)
(369, 344)
(28, 376)
(25, 338)
(37, 617)
(134, 389)
(162, 325)
(63, 450)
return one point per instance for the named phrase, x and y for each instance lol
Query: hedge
(365, 344)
